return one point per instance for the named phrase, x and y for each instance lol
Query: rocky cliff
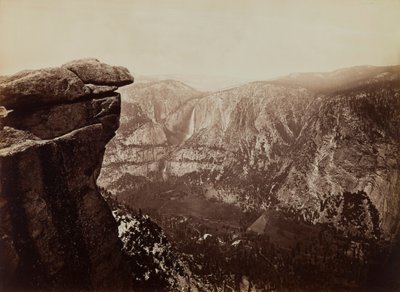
(56, 230)
(290, 143)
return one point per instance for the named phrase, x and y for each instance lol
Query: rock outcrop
(56, 231)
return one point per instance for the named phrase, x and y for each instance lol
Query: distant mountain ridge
(341, 79)
(199, 82)
(311, 80)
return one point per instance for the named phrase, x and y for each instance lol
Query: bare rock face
(92, 71)
(56, 231)
(39, 87)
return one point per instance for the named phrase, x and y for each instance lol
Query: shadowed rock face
(56, 231)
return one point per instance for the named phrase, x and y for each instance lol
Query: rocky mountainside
(293, 143)
(56, 231)
(143, 137)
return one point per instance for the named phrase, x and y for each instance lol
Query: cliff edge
(56, 231)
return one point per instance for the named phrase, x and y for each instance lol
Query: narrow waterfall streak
(190, 130)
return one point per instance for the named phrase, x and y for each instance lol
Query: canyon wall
(294, 142)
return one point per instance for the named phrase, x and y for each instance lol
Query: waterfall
(164, 172)
(190, 130)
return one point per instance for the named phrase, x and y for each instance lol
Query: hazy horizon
(212, 83)
(229, 40)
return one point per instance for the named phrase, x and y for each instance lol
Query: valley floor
(218, 248)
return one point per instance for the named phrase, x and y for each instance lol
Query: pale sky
(242, 39)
